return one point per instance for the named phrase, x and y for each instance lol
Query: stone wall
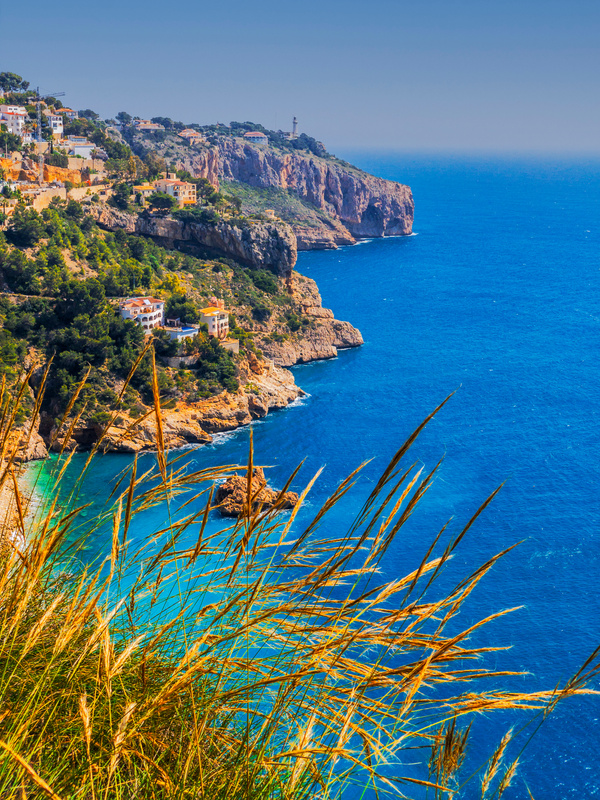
(46, 196)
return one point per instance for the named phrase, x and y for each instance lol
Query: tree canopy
(11, 82)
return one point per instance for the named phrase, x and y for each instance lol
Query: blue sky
(430, 74)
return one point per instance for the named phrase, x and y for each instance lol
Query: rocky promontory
(320, 338)
(342, 202)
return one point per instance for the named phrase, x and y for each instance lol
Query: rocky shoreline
(266, 385)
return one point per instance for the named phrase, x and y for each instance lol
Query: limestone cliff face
(265, 245)
(358, 204)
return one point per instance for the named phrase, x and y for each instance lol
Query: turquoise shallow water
(497, 297)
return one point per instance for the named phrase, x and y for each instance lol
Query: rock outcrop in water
(232, 495)
(263, 245)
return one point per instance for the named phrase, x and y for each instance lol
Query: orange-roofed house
(256, 137)
(145, 190)
(191, 135)
(149, 312)
(217, 320)
(68, 113)
(183, 192)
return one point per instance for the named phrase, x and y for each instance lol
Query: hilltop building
(191, 135)
(147, 125)
(149, 312)
(68, 113)
(256, 137)
(293, 134)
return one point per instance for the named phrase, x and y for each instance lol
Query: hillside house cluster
(19, 123)
(149, 312)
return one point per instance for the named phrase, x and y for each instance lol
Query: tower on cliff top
(295, 127)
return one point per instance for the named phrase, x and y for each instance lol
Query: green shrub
(261, 312)
(265, 281)
(26, 228)
(293, 321)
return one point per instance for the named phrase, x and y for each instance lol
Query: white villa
(14, 118)
(79, 146)
(149, 312)
(56, 124)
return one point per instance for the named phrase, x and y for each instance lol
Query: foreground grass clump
(268, 661)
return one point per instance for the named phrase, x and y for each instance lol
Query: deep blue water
(496, 297)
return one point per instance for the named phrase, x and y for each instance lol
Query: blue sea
(496, 298)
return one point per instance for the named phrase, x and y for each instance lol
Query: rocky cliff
(319, 339)
(353, 203)
(263, 245)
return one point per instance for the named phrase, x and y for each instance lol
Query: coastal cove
(495, 297)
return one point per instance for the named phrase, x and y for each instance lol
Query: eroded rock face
(31, 447)
(232, 495)
(267, 245)
(364, 204)
(264, 245)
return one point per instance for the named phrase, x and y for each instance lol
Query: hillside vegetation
(72, 273)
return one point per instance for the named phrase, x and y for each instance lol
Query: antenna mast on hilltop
(38, 101)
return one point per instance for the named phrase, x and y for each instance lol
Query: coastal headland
(186, 237)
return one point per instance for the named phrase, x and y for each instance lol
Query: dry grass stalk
(264, 660)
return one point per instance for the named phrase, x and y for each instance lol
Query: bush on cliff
(270, 660)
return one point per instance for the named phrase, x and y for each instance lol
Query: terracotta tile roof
(211, 311)
(136, 302)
